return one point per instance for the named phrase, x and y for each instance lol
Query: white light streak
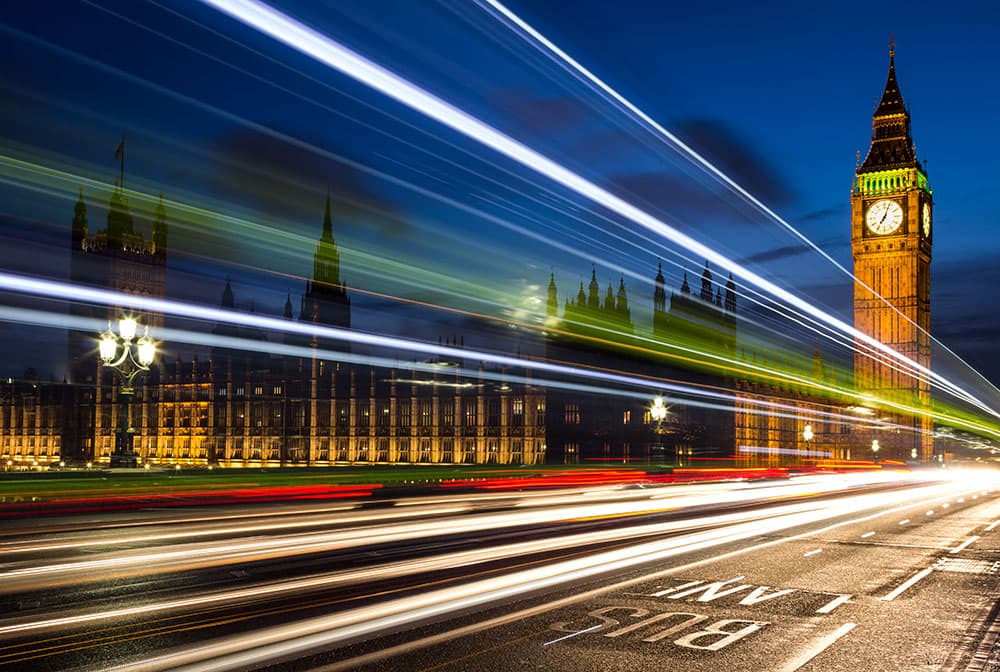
(676, 143)
(70, 292)
(325, 50)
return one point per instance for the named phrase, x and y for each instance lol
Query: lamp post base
(128, 460)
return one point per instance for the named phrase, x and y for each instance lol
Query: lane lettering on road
(712, 591)
(661, 593)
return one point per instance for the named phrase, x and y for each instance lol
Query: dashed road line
(961, 547)
(821, 645)
(904, 521)
(812, 552)
(868, 534)
(906, 584)
(833, 604)
(992, 525)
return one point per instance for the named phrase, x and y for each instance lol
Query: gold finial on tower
(892, 45)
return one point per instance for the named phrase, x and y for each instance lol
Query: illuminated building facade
(119, 258)
(594, 427)
(891, 237)
(780, 420)
(243, 407)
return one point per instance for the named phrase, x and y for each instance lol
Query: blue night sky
(779, 96)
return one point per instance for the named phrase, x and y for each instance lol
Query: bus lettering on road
(656, 627)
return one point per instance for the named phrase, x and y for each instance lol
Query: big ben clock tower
(891, 236)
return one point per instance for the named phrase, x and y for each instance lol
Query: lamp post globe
(128, 357)
(658, 413)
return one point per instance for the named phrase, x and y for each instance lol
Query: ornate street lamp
(129, 357)
(807, 436)
(658, 412)
(874, 449)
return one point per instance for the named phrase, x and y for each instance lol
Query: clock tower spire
(891, 207)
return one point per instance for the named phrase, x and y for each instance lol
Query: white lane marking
(906, 584)
(931, 512)
(480, 626)
(833, 604)
(992, 525)
(904, 521)
(867, 534)
(574, 634)
(812, 552)
(961, 500)
(661, 593)
(945, 505)
(821, 645)
(961, 547)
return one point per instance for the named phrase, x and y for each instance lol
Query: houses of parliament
(239, 406)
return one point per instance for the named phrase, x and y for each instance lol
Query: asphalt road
(865, 572)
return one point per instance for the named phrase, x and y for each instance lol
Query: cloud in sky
(541, 115)
(738, 157)
(285, 180)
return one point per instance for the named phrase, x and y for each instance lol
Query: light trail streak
(371, 261)
(289, 641)
(417, 507)
(135, 563)
(64, 291)
(619, 586)
(196, 217)
(790, 408)
(365, 261)
(723, 400)
(397, 569)
(325, 50)
(676, 143)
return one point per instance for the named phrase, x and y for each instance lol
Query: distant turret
(79, 221)
(706, 285)
(594, 298)
(160, 229)
(552, 304)
(660, 292)
(621, 306)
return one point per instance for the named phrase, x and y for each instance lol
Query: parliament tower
(891, 236)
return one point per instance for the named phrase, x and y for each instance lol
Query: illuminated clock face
(884, 216)
(925, 221)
